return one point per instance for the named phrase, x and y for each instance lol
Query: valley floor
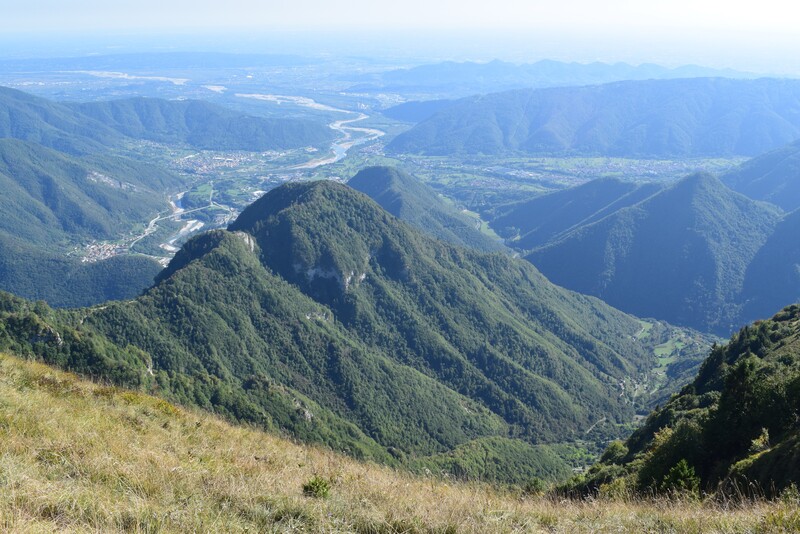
(81, 457)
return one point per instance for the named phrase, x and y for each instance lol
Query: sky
(757, 35)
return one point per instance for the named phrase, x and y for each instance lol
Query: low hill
(680, 255)
(545, 218)
(655, 118)
(410, 200)
(321, 315)
(732, 430)
(66, 451)
(773, 177)
(203, 125)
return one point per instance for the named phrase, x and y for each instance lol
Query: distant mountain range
(452, 79)
(320, 314)
(695, 253)
(93, 126)
(656, 118)
(203, 125)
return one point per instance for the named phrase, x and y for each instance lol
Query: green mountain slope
(51, 197)
(773, 177)
(680, 255)
(543, 219)
(773, 277)
(410, 200)
(38, 120)
(735, 425)
(203, 125)
(95, 126)
(35, 273)
(322, 315)
(687, 117)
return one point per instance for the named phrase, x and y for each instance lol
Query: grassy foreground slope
(79, 457)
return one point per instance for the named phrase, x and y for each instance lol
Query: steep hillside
(667, 118)
(733, 429)
(203, 125)
(543, 219)
(774, 177)
(35, 273)
(321, 315)
(38, 120)
(416, 111)
(410, 200)
(680, 255)
(52, 198)
(66, 450)
(773, 277)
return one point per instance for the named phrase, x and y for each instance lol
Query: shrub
(615, 453)
(317, 487)
(682, 481)
(535, 486)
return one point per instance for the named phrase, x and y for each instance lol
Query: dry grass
(80, 457)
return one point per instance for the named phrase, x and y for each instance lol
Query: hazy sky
(30, 15)
(685, 30)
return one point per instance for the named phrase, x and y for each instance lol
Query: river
(351, 135)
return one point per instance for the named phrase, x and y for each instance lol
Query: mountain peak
(419, 205)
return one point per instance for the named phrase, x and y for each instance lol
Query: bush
(535, 486)
(317, 487)
(616, 490)
(615, 453)
(682, 481)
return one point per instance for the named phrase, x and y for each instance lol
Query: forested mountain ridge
(654, 118)
(69, 178)
(773, 177)
(773, 276)
(54, 198)
(410, 200)
(680, 255)
(452, 79)
(203, 125)
(321, 315)
(50, 124)
(733, 429)
(39, 273)
(83, 128)
(543, 219)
